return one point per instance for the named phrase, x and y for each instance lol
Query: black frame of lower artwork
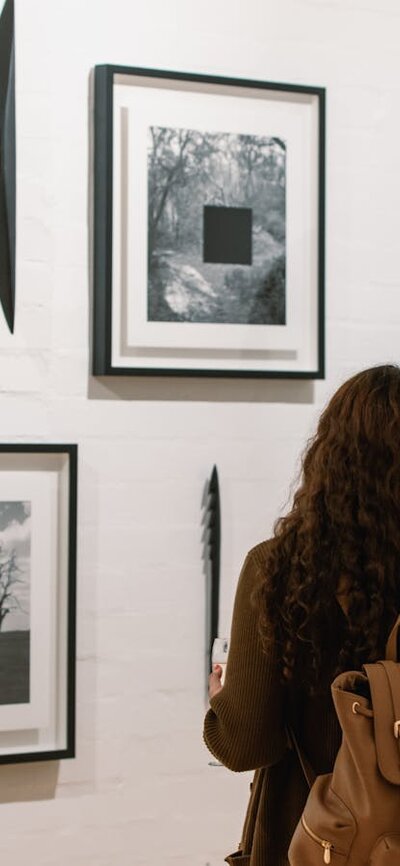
(102, 339)
(68, 593)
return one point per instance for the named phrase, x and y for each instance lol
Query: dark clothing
(245, 730)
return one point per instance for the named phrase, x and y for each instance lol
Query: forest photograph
(216, 227)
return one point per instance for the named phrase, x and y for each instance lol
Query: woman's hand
(214, 681)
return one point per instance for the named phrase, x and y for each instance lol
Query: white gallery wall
(140, 791)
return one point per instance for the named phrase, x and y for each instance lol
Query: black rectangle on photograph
(227, 237)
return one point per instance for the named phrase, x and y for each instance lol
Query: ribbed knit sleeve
(244, 727)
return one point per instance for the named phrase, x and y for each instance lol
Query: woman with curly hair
(318, 598)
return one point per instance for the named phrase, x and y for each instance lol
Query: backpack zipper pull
(327, 846)
(327, 851)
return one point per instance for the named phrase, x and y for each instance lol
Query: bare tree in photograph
(189, 172)
(9, 578)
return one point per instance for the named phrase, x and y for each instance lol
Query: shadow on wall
(26, 782)
(201, 390)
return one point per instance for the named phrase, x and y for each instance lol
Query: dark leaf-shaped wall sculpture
(213, 530)
(7, 163)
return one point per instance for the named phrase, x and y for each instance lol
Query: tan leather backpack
(352, 815)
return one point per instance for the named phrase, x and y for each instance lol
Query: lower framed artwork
(38, 509)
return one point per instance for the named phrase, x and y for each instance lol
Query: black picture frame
(46, 475)
(112, 355)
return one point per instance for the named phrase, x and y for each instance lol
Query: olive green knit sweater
(245, 730)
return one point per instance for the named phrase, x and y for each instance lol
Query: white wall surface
(140, 792)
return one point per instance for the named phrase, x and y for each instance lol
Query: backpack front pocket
(327, 847)
(325, 831)
(386, 852)
(310, 849)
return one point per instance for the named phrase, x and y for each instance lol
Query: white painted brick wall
(140, 792)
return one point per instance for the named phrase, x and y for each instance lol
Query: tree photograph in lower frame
(15, 566)
(216, 227)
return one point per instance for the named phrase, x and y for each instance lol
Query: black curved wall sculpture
(7, 163)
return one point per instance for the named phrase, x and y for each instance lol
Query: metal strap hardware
(359, 710)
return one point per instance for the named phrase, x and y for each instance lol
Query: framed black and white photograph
(37, 601)
(208, 226)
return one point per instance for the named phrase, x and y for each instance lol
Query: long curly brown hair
(343, 529)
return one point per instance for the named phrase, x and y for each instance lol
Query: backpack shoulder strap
(392, 646)
(308, 771)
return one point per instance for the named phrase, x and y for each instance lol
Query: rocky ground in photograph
(184, 288)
